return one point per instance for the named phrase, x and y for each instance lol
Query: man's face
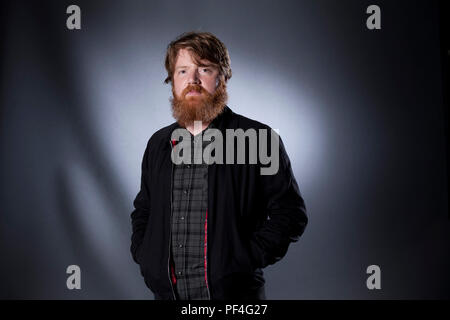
(199, 92)
(187, 73)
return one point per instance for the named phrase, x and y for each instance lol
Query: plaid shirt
(189, 228)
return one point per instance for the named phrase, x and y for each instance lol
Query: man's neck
(196, 130)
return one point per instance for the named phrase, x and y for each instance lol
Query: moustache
(194, 87)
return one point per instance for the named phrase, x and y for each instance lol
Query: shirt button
(180, 245)
(185, 191)
(182, 218)
(180, 273)
(188, 166)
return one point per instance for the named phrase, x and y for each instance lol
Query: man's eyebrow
(211, 65)
(208, 64)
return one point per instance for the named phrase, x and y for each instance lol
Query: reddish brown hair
(203, 45)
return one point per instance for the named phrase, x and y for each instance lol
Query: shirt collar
(192, 137)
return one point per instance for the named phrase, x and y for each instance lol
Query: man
(202, 229)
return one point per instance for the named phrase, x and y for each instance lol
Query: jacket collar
(218, 123)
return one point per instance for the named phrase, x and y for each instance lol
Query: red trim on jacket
(172, 272)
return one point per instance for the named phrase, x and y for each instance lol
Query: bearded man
(201, 230)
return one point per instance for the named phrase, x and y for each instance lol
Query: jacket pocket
(255, 255)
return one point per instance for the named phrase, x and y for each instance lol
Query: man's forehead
(184, 56)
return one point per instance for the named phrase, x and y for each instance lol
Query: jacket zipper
(206, 242)
(206, 255)
(170, 226)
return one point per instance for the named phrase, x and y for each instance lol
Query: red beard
(205, 107)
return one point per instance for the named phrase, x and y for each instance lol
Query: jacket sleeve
(285, 216)
(140, 214)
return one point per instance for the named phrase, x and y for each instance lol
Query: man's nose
(194, 77)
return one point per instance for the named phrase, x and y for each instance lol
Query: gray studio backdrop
(360, 113)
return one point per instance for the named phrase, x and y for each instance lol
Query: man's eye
(206, 70)
(181, 71)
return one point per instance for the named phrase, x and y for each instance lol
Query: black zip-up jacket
(252, 218)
